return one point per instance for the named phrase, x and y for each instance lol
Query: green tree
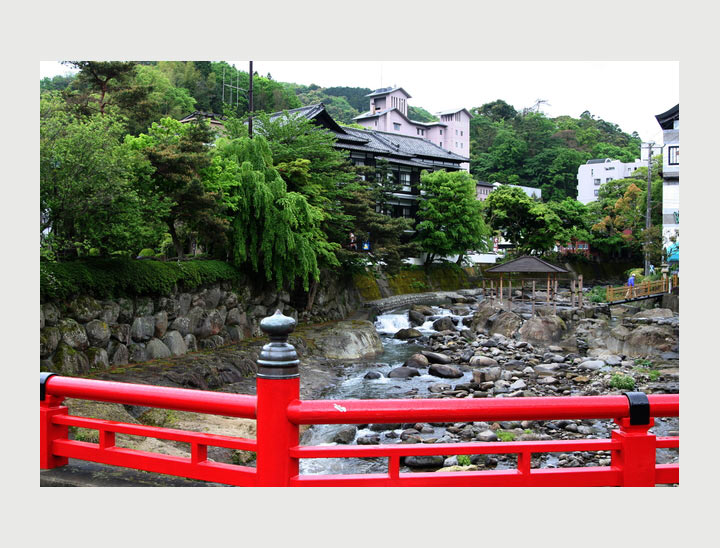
(179, 154)
(449, 217)
(273, 230)
(531, 226)
(90, 194)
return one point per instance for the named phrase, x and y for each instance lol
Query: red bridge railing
(279, 412)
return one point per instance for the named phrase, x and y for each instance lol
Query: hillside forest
(121, 176)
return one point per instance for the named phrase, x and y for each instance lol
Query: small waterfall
(389, 324)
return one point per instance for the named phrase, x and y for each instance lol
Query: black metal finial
(278, 359)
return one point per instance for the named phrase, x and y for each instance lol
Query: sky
(626, 93)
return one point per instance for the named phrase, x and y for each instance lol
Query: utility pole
(250, 100)
(647, 212)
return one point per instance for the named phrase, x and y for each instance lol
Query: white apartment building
(595, 173)
(670, 123)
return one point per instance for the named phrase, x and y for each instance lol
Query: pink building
(389, 112)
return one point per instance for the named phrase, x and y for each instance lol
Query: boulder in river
(444, 371)
(416, 360)
(347, 340)
(403, 373)
(436, 357)
(444, 324)
(408, 333)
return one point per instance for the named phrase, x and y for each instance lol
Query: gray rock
(190, 342)
(444, 371)
(210, 325)
(546, 369)
(424, 461)
(403, 373)
(173, 340)
(487, 435)
(42, 318)
(120, 355)
(110, 312)
(369, 440)
(444, 324)
(161, 323)
(370, 375)
(51, 314)
(127, 310)
(143, 329)
(84, 309)
(97, 358)
(405, 334)
(213, 341)
(69, 361)
(181, 324)
(137, 353)
(98, 333)
(517, 385)
(121, 333)
(345, 435)
(233, 317)
(156, 349)
(415, 317)
(169, 305)
(73, 334)
(592, 365)
(416, 360)
(482, 361)
(49, 339)
(436, 357)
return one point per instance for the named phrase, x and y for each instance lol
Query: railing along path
(279, 412)
(642, 290)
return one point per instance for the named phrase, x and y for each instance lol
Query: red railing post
(50, 406)
(636, 457)
(278, 384)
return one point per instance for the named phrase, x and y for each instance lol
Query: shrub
(123, 277)
(598, 294)
(505, 436)
(147, 252)
(622, 382)
(463, 460)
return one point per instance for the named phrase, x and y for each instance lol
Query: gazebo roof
(527, 263)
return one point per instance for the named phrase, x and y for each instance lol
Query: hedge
(123, 277)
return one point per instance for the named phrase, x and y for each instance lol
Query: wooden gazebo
(528, 265)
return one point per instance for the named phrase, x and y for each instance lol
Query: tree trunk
(311, 295)
(460, 259)
(176, 240)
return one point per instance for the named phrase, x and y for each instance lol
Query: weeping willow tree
(272, 230)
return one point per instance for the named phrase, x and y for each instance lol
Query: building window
(596, 192)
(375, 123)
(461, 145)
(405, 181)
(396, 126)
(440, 143)
(609, 168)
(461, 133)
(609, 179)
(441, 132)
(674, 156)
(597, 182)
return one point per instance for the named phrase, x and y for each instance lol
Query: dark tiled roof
(408, 145)
(667, 118)
(385, 91)
(484, 183)
(528, 264)
(598, 161)
(454, 111)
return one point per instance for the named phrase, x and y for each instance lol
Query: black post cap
(44, 376)
(278, 359)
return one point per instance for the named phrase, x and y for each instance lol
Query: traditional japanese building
(670, 123)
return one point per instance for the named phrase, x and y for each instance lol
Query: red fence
(279, 412)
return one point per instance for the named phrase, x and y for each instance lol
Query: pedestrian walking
(631, 286)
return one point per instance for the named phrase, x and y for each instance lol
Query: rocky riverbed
(462, 348)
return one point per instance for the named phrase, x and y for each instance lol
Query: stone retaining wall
(86, 334)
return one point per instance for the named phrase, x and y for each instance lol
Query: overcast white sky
(627, 93)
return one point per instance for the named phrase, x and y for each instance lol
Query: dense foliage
(527, 148)
(450, 221)
(113, 277)
(120, 175)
